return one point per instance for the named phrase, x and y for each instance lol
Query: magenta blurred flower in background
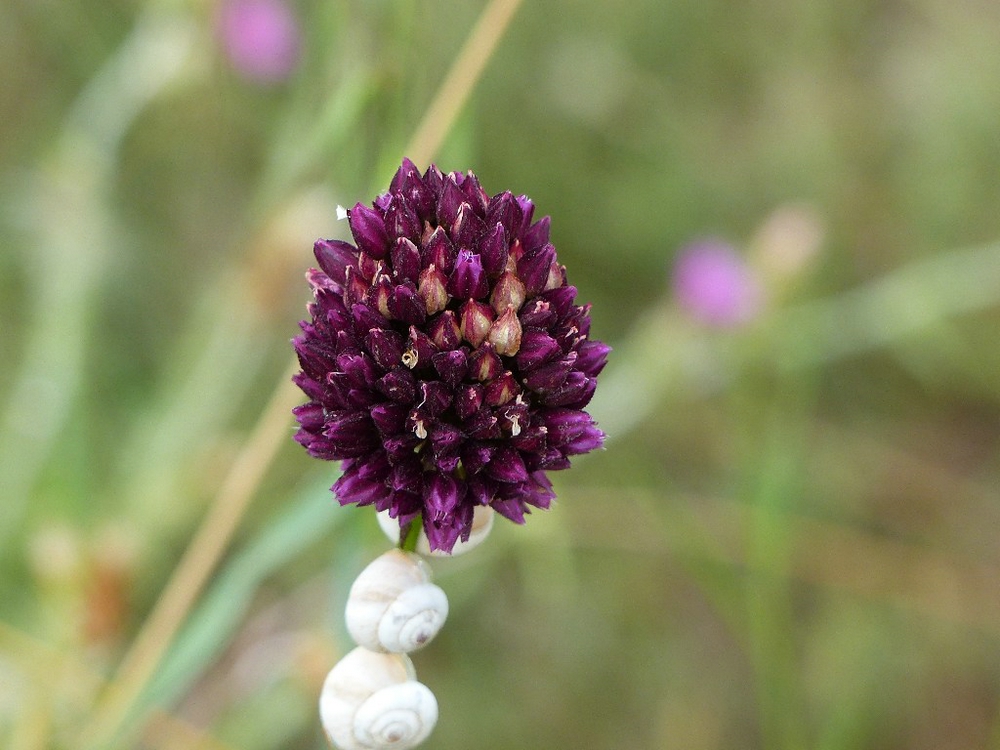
(261, 38)
(713, 284)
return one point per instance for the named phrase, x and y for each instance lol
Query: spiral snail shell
(482, 524)
(393, 606)
(371, 701)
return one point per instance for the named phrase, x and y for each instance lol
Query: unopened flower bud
(475, 194)
(468, 280)
(451, 199)
(431, 288)
(593, 355)
(468, 400)
(369, 231)
(406, 305)
(408, 183)
(501, 390)
(452, 366)
(503, 209)
(378, 295)
(444, 331)
(405, 259)
(484, 364)
(334, 257)
(574, 429)
(476, 320)
(537, 234)
(363, 319)
(495, 251)
(537, 347)
(468, 228)
(369, 267)
(438, 251)
(557, 276)
(527, 213)
(505, 333)
(386, 347)
(354, 286)
(534, 266)
(508, 292)
(401, 219)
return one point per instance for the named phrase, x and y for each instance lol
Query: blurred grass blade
(71, 214)
(663, 352)
(213, 622)
(294, 154)
(905, 302)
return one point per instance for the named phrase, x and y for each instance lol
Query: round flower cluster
(446, 362)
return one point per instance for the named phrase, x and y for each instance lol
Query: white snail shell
(371, 701)
(393, 606)
(482, 524)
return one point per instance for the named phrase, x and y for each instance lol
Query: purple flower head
(446, 363)
(714, 285)
(260, 37)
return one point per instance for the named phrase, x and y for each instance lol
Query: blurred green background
(791, 540)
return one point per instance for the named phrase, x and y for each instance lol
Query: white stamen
(341, 213)
(419, 430)
(515, 426)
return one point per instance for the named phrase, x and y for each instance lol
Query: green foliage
(790, 540)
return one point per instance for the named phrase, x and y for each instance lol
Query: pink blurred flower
(261, 38)
(714, 285)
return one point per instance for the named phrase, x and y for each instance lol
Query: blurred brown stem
(461, 78)
(196, 564)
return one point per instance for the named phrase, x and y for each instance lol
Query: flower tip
(407, 170)
(476, 320)
(334, 257)
(468, 280)
(369, 231)
(505, 333)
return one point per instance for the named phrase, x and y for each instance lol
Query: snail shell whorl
(393, 606)
(371, 701)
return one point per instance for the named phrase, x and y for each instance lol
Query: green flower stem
(409, 540)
